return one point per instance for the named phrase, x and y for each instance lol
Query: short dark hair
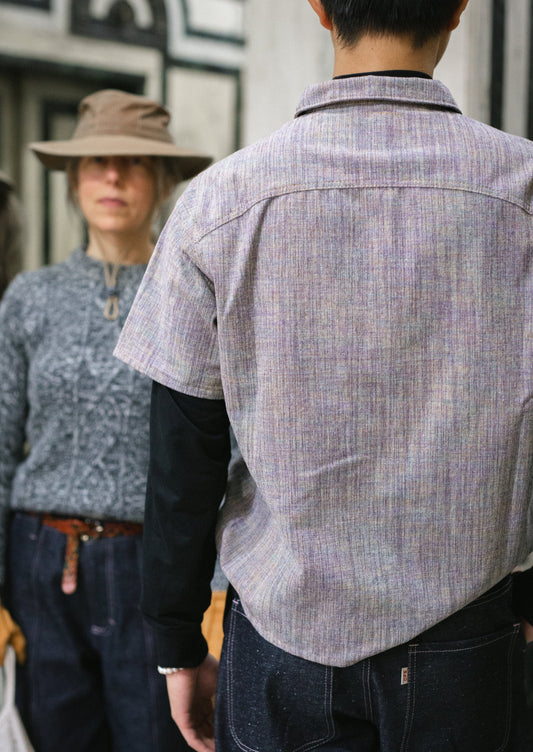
(419, 19)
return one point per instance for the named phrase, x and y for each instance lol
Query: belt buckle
(96, 525)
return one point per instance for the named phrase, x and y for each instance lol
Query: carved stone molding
(40, 4)
(219, 20)
(142, 22)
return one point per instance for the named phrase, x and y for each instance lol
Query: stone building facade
(186, 53)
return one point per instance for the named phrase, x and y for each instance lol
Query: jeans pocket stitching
(475, 642)
(416, 649)
(367, 696)
(236, 611)
(328, 699)
(503, 589)
(512, 642)
(231, 635)
(410, 709)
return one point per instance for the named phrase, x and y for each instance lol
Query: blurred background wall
(187, 53)
(487, 66)
(231, 71)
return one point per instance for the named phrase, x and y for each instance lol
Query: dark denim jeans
(90, 679)
(456, 688)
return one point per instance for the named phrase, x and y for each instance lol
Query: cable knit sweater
(73, 419)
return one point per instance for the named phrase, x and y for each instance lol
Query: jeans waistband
(79, 531)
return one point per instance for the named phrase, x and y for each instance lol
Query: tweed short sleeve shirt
(359, 289)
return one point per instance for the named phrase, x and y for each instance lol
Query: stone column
(466, 65)
(287, 50)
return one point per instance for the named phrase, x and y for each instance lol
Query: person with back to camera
(10, 232)
(356, 295)
(74, 443)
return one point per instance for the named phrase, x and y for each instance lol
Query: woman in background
(74, 443)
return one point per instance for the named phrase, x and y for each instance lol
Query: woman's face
(117, 195)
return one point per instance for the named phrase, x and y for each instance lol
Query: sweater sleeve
(13, 398)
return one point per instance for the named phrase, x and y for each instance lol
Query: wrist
(166, 671)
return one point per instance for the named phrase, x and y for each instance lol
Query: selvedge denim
(90, 682)
(458, 687)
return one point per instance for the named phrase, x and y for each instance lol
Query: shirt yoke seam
(241, 211)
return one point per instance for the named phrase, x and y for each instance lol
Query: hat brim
(55, 154)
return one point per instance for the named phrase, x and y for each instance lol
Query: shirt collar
(414, 91)
(400, 73)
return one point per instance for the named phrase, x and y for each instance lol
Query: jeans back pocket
(272, 700)
(465, 691)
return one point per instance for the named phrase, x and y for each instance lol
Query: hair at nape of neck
(419, 19)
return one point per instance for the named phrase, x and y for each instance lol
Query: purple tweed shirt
(359, 289)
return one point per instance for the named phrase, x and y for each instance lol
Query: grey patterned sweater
(83, 414)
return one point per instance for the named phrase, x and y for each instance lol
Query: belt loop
(69, 580)
(77, 531)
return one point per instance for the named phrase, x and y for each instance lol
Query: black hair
(419, 19)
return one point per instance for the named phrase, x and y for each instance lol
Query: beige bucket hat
(116, 123)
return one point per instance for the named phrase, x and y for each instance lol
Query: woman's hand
(11, 633)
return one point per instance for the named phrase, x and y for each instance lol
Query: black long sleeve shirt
(189, 456)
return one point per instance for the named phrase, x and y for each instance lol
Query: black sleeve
(189, 456)
(523, 595)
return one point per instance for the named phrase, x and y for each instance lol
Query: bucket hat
(116, 123)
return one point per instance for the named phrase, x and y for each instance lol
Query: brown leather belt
(83, 530)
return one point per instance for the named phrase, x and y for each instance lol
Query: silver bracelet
(167, 671)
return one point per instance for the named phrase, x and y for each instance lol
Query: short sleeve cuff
(137, 360)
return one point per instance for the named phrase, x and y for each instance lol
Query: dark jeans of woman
(456, 688)
(90, 680)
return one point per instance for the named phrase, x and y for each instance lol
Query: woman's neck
(120, 249)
